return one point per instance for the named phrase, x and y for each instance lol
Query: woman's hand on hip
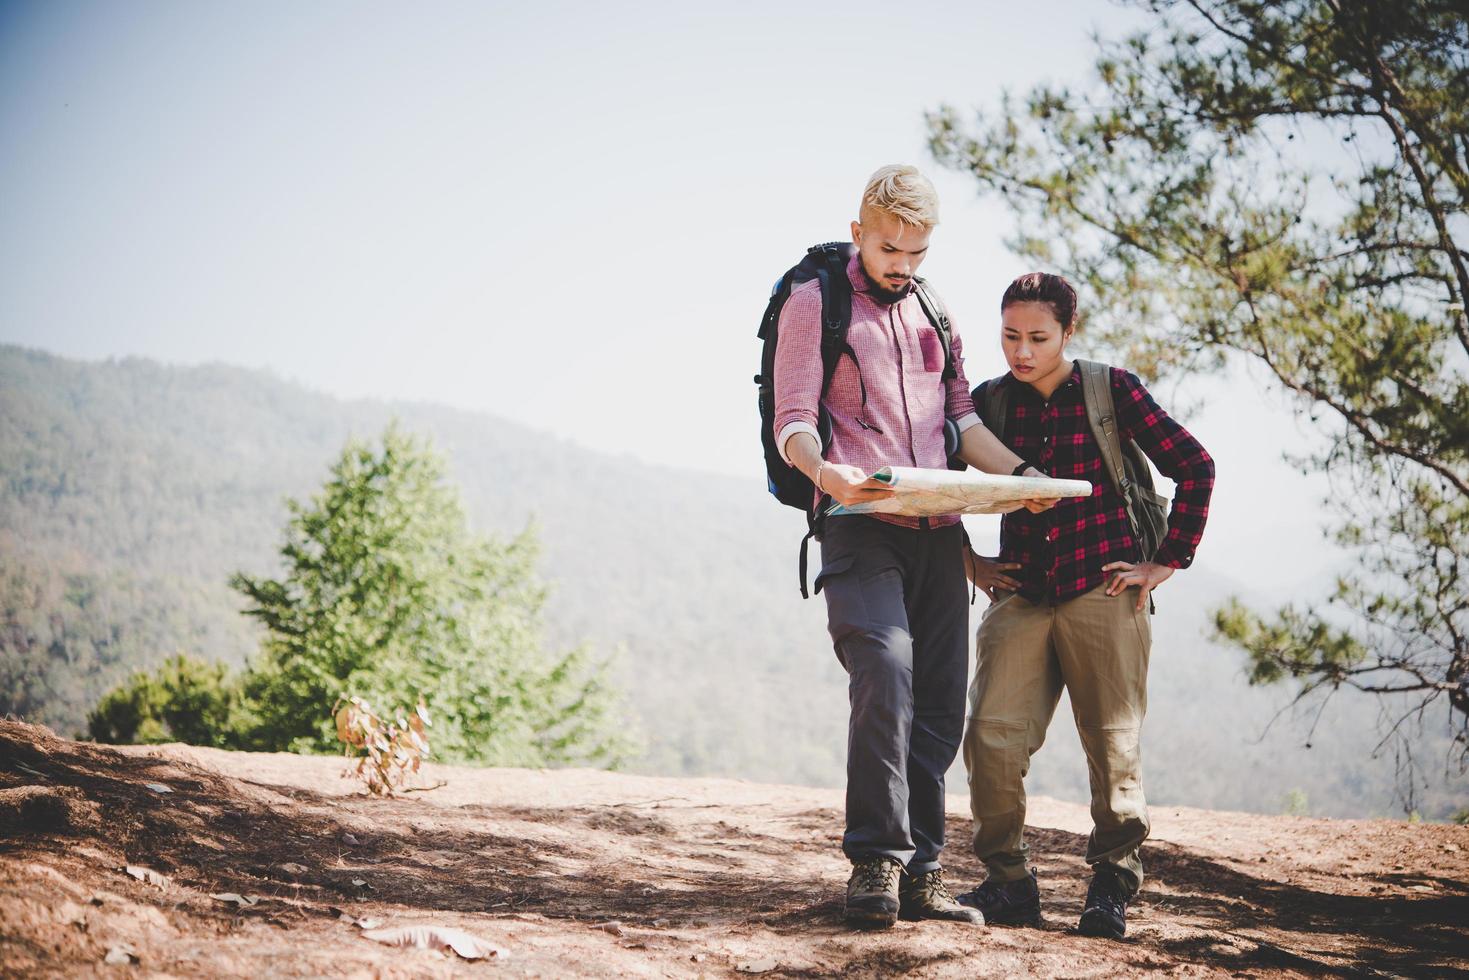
(988, 574)
(1144, 574)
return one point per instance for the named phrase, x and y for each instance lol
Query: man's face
(890, 250)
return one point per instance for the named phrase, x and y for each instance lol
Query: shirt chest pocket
(932, 350)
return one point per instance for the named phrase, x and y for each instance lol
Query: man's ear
(857, 233)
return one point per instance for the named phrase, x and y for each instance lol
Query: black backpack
(1126, 464)
(828, 264)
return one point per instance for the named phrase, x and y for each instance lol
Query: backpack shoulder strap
(836, 311)
(992, 398)
(933, 308)
(1101, 416)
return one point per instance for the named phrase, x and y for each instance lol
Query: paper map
(931, 493)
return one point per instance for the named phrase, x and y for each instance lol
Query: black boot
(1007, 903)
(1105, 913)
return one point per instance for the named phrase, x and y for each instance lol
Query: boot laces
(987, 890)
(1107, 894)
(932, 886)
(876, 875)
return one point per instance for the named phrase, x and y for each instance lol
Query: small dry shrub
(390, 750)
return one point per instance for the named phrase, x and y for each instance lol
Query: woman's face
(1034, 341)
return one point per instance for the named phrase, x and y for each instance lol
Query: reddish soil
(702, 877)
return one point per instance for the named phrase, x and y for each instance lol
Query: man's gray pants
(897, 607)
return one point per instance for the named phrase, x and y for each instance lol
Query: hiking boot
(872, 893)
(1105, 913)
(925, 896)
(1007, 903)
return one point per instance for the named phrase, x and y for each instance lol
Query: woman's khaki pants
(1096, 647)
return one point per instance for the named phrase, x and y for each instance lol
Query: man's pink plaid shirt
(902, 364)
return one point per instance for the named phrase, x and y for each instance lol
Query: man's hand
(988, 574)
(848, 485)
(1039, 504)
(1145, 574)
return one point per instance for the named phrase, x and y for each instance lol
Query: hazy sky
(569, 215)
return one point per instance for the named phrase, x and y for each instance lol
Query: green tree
(387, 596)
(1286, 184)
(185, 700)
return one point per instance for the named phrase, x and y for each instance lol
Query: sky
(568, 215)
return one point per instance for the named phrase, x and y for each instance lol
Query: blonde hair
(904, 193)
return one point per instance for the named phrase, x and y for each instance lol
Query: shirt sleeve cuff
(967, 421)
(1165, 556)
(790, 429)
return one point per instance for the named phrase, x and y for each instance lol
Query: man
(1074, 614)
(895, 586)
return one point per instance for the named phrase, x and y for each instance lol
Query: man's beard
(881, 293)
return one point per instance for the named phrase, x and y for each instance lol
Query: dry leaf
(469, 946)
(148, 875)
(613, 927)
(120, 956)
(158, 787)
(352, 920)
(291, 868)
(242, 901)
(758, 966)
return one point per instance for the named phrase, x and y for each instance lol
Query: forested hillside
(132, 490)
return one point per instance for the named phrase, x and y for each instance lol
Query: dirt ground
(582, 873)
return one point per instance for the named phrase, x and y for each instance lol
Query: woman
(1069, 608)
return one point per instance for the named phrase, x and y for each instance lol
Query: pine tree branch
(1386, 91)
(1282, 60)
(1357, 420)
